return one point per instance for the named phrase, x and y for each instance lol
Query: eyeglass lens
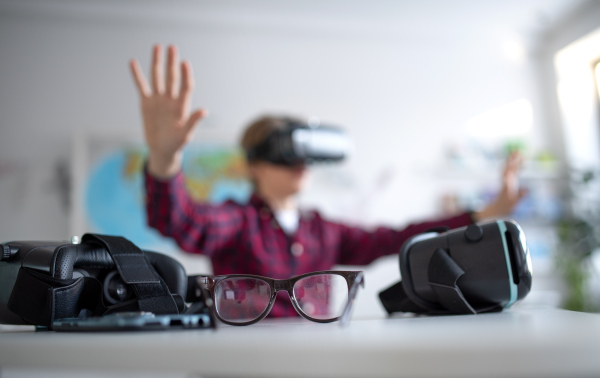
(322, 296)
(240, 300)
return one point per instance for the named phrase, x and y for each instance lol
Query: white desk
(520, 342)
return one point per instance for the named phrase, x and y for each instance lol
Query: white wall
(582, 22)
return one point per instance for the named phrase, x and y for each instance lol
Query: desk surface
(519, 342)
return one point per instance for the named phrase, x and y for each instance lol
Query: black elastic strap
(152, 292)
(394, 299)
(443, 274)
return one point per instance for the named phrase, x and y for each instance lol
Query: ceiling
(440, 17)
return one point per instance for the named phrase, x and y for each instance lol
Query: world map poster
(114, 194)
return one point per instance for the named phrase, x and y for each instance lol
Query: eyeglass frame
(354, 279)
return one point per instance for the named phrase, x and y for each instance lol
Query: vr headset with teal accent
(475, 269)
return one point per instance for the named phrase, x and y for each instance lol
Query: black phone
(133, 321)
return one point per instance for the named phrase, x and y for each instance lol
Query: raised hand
(510, 193)
(168, 122)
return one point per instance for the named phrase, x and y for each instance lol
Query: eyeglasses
(244, 299)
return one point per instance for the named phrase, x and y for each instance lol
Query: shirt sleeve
(195, 226)
(360, 247)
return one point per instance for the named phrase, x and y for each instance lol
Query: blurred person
(269, 235)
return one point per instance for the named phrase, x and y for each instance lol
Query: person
(269, 235)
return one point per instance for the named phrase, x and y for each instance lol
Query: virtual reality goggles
(469, 270)
(42, 283)
(298, 144)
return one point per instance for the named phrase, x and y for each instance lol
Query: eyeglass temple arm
(195, 288)
(199, 297)
(358, 281)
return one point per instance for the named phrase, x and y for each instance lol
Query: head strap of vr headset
(151, 291)
(40, 299)
(270, 149)
(443, 274)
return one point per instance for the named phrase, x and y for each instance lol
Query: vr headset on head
(298, 144)
(44, 282)
(469, 270)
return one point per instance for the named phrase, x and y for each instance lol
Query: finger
(523, 193)
(140, 79)
(187, 82)
(194, 119)
(172, 71)
(513, 165)
(158, 85)
(515, 160)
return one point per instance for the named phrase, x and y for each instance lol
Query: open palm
(168, 122)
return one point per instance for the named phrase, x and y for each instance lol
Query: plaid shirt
(246, 238)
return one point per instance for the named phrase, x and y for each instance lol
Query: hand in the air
(168, 122)
(509, 195)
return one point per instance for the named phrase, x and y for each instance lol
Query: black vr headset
(469, 270)
(298, 144)
(43, 282)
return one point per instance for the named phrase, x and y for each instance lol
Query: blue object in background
(115, 197)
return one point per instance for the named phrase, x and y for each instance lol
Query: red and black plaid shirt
(246, 238)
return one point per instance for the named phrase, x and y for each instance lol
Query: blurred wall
(583, 22)
(404, 89)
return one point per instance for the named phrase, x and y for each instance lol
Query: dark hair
(259, 129)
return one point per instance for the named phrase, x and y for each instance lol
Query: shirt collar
(258, 202)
